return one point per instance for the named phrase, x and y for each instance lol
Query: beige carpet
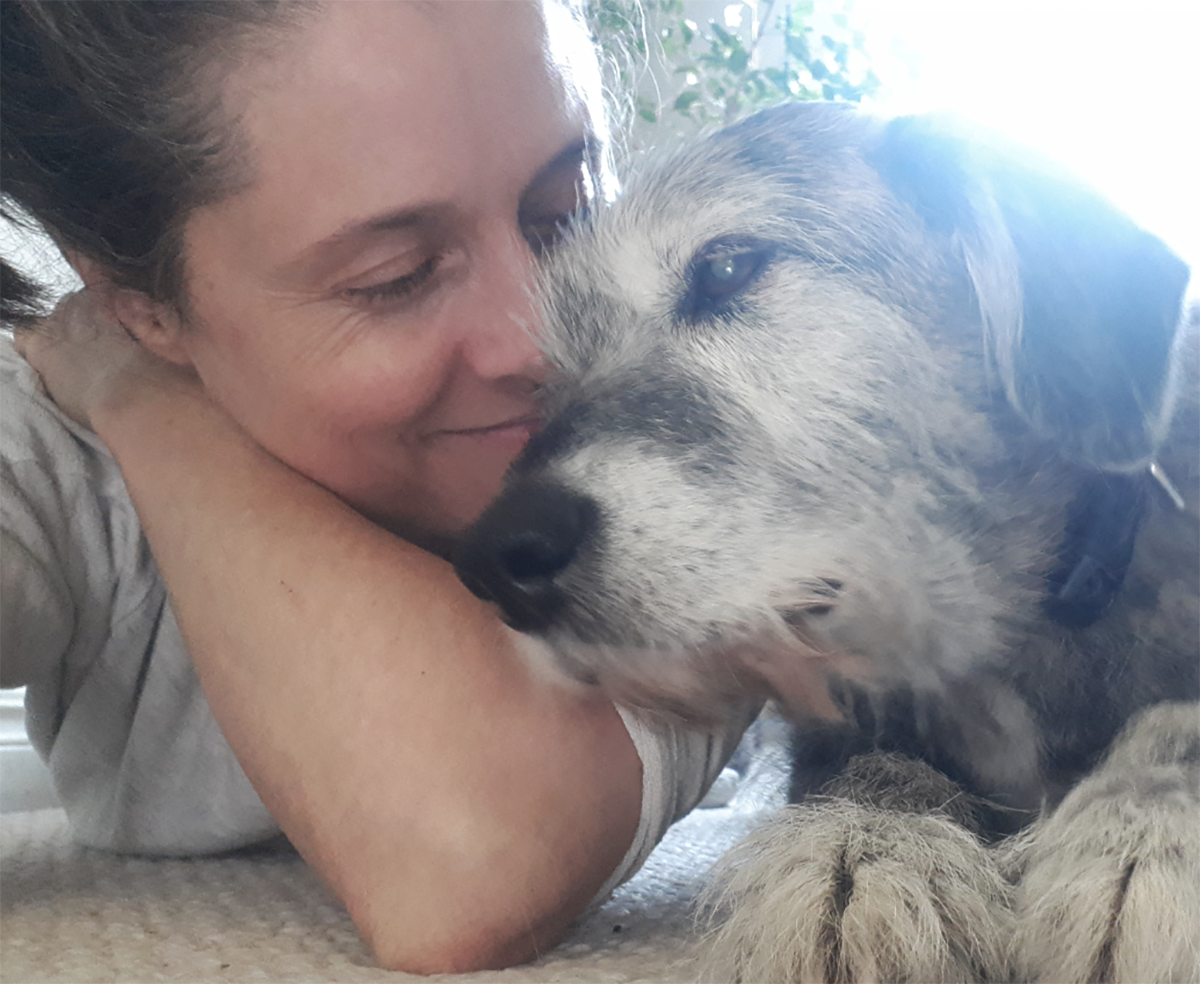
(73, 915)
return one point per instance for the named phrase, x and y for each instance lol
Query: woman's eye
(558, 197)
(724, 274)
(400, 288)
(544, 233)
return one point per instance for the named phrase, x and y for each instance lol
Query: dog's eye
(718, 273)
(721, 275)
(727, 273)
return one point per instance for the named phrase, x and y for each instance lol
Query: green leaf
(830, 65)
(797, 47)
(724, 35)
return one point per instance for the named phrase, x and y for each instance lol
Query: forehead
(366, 106)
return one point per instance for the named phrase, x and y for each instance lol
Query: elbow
(439, 921)
(453, 956)
(455, 944)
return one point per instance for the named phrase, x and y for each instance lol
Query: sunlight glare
(1110, 90)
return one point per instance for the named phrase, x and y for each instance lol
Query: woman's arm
(464, 811)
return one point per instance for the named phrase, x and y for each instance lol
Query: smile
(517, 428)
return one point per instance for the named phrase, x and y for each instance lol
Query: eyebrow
(314, 259)
(428, 215)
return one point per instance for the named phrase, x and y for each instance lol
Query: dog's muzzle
(514, 553)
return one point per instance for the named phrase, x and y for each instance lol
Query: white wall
(24, 779)
(34, 254)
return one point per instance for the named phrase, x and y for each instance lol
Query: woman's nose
(502, 339)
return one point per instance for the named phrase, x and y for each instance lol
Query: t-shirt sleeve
(679, 764)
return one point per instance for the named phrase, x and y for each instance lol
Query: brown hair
(111, 128)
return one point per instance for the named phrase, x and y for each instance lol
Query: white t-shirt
(113, 703)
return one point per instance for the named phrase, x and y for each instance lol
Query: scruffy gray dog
(901, 428)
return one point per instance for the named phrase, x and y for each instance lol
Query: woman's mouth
(514, 431)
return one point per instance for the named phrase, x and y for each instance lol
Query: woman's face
(361, 307)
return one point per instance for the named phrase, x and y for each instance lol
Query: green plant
(718, 74)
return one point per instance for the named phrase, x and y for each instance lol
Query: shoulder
(33, 427)
(48, 461)
(62, 497)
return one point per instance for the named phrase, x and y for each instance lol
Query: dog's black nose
(512, 554)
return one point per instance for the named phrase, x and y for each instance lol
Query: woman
(316, 226)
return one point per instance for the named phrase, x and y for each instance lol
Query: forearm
(464, 812)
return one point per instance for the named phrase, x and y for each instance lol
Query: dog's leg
(848, 887)
(1110, 886)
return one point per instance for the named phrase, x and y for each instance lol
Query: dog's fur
(866, 410)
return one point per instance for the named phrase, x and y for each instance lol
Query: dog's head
(781, 357)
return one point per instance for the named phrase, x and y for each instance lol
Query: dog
(898, 425)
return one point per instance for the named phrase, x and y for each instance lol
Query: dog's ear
(1080, 306)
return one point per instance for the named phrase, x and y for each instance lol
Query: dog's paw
(834, 891)
(1110, 882)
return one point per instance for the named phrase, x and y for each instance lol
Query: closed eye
(399, 288)
(543, 233)
(559, 195)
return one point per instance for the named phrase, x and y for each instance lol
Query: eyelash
(398, 289)
(405, 287)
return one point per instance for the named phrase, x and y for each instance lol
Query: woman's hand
(87, 361)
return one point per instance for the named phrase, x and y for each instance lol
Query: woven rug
(68, 914)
